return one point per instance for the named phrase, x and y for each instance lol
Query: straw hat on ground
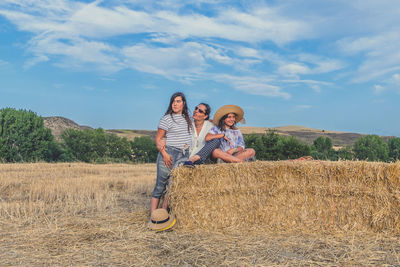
(222, 111)
(160, 220)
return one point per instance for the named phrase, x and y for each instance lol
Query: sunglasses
(200, 110)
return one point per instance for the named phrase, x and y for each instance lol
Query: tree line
(23, 138)
(272, 146)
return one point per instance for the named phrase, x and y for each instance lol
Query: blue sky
(332, 65)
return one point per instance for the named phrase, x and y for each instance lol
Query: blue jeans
(178, 156)
(207, 150)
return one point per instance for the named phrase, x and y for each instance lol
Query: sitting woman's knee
(216, 152)
(252, 152)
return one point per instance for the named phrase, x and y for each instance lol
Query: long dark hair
(221, 123)
(185, 112)
(208, 110)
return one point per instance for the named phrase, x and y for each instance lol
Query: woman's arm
(166, 157)
(159, 136)
(211, 136)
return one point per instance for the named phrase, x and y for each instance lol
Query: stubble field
(96, 215)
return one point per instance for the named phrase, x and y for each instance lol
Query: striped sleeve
(165, 123)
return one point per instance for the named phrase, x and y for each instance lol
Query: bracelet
(235, 149)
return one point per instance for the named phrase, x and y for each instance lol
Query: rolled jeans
(208, 148)
(179, 156)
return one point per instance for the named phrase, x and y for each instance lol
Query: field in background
(96, 215)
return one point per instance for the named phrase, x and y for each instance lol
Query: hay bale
(288, 196)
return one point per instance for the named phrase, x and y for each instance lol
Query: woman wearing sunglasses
(201, 126)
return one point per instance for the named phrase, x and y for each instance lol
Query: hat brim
(222, 111)
(163, 226)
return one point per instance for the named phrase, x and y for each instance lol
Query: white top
(199, 140)
(177, 131)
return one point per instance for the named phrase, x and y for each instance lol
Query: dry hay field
(251, 214)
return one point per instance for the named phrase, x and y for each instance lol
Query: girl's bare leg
(219, 154)
(245, 154)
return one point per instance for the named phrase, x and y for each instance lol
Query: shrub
(272, 146)
(144, 149)
(394, 149)
(345, 153)
(23, 137)
(371, 148)
(322, 149)
(96, 146)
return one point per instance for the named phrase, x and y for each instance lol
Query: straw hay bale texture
(288, 196)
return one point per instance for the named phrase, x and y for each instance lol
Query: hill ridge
(58, 124)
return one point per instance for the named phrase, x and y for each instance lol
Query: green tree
(291, 148)
(394, 148)
(272, 146)
(322, 148)
(371, 148)
(345, 153)
(144, 149)
(118, 148)
(23, 137)
(266, 146)
(96, 146)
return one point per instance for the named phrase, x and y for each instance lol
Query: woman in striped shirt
(176, 126)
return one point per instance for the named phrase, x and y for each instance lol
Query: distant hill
(307, 135)
(58, 125)
(339, 139)
(131, 134)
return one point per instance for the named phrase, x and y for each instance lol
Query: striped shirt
(176, 131)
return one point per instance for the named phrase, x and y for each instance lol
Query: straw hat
(160, 220)
(222, 111)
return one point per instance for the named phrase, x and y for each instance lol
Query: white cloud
(309, 64)
(248, 52)
(3, 63)
(252, 85)
(378, 88)
(390, 84)
(304, 106)
(35, 60)
(316, 88)
(396, 78)
(293, 69)
(187, 60)
(382, 54)
(177, 41)
(77, 53)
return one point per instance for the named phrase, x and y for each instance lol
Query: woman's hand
(167, 160)
(227, 139)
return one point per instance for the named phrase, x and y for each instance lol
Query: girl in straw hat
(224, 140)
(176, 126)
